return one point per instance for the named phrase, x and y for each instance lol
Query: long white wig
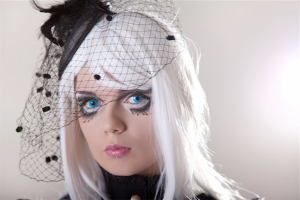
(179, 116)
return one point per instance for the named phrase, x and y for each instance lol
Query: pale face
(119, 134)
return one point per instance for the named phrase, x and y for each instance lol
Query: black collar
(124, 187)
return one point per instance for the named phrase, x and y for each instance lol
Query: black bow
(65, 16)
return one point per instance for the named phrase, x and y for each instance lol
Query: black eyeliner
(143, 110)
(86, 94)
(124, 93)
(83, 97)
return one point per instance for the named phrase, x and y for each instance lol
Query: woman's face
(119, 134)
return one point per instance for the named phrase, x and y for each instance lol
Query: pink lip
(116, 150)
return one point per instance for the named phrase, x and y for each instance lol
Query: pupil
(137, 98)
(93, 103)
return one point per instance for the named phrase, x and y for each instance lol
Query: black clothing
(124, 187)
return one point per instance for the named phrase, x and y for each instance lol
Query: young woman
(118, 94)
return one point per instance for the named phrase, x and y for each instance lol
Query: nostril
(116, 131)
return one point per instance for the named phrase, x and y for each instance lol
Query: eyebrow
(121, 93)
(112, 77)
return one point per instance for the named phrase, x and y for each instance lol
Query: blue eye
(139, 104)
(137, 98)
(89, 107)
(93, 103)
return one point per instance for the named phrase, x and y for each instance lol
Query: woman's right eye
(92, 103)
(89, 107)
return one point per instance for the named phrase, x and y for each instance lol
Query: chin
(120, 170)
(123, 173)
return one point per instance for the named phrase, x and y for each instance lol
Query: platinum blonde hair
(179, 116)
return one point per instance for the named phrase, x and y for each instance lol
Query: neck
(124, 187)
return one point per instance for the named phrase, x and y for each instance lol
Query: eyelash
(83, 101)
(143, 110)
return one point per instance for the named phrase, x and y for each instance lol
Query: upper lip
(115, 146)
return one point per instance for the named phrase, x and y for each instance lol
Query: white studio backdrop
(249, 71)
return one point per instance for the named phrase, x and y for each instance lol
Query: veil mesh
(122, 49)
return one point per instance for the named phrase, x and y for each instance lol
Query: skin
(114, 123)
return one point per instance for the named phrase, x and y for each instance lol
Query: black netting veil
(98, 48)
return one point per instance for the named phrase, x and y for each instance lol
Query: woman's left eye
(136, 99)
(138, 103)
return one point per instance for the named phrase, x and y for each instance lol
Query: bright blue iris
(93, 103)
(137, 99)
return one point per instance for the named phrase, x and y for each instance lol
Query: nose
(112, 120)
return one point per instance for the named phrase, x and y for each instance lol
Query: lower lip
(117, 152)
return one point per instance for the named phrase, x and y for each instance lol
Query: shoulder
(65, 197)
(200, 197)
(207, 197)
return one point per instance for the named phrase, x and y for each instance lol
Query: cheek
(140, 126)
(86, 126)
(142, 134)
(89, 130)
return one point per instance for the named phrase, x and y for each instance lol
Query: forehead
(86, 84)
(86, 80)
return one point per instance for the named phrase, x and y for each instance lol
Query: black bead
(38, 74)
(97, 77)
(46, 76)
(107, 3)
(19, 129)
(48, 94)
(40, 89)
(170, 37)
(54, 158)
(58, 138)
(60, 43)
(57, 55)
(108, 17)
(48, 159)
(46, 108)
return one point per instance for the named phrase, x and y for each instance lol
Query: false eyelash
(87, 114)
(144, 110)
(139, 94)
(81, 102)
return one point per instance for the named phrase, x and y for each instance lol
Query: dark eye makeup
(144, 109)
(89, 103)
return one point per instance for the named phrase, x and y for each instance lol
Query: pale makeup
(110, 117)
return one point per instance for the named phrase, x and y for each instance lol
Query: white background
(248, 70)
